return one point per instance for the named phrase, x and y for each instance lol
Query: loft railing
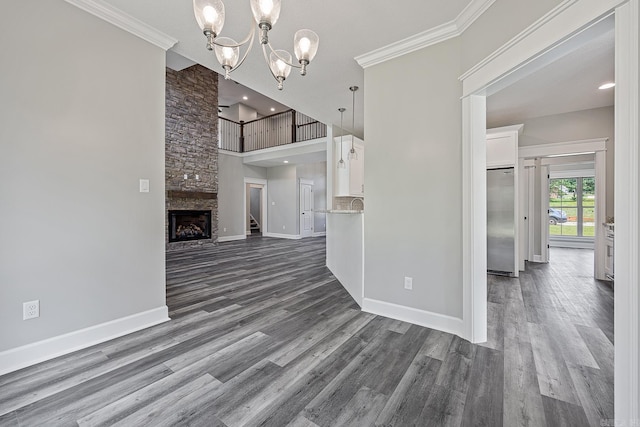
(270, 131)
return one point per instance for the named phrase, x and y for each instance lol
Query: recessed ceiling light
(607, 86)
(286, 161)
(273, 109)
(245, 97)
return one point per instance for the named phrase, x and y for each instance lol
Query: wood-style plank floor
(263, 334)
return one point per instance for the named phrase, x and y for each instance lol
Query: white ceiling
(565, 79)
(346, 29)
(231, 92)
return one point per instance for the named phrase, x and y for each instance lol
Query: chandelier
(210, 17)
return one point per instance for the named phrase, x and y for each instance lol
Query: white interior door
(306, 209)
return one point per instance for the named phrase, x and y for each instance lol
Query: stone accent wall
(191, 144)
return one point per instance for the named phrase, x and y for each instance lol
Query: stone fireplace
(191, 157)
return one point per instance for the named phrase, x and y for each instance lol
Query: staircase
(254, 226)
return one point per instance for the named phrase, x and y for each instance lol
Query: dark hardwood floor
(263, 334)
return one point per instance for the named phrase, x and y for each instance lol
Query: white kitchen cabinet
(350, 181)
(502, 146)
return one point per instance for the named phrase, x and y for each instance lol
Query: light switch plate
(144, 185)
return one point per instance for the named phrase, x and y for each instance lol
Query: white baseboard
(319, 234)
(30, 354)
(231, 238)
(441, 322)
(283, 236)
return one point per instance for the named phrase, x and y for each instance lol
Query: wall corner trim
(428, 319)
(426, 38)
(40, 351)
(112, 15)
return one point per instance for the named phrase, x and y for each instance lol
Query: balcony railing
(270, 131)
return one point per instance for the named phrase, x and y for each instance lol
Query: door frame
(568, 18)
(598, 146)
(263, 208)
(300, 184)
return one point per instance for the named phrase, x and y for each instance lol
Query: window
(572, 207)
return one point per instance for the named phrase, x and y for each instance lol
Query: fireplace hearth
(185, 225)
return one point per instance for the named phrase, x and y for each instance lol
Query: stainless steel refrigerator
(501, 228)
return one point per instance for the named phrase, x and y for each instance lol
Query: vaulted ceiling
(348, 29)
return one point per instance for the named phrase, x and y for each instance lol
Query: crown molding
(126, 22)
(472, 12)
(426, 38)
(410, 44)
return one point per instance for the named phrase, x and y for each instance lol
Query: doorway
(255, 209)
(556, 28)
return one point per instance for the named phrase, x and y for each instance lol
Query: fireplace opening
(189, 225)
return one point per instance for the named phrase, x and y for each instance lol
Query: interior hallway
(262, 334)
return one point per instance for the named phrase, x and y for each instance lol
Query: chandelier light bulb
(266, 6)
(279, 64)
(210, 16)
(266, 12)
(227, 53)
(305, 45)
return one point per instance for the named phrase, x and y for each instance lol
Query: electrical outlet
(284, 227)
(408, 283)
(30, 310)
(224, 229)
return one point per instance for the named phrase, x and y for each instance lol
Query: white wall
(413, 176)
(316, 172)
(82, 107)
(231, 175)
(282, 200)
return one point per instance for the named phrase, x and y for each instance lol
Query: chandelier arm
(249, 38)
(246, 53)
(280, 57)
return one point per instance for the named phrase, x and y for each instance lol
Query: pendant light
(352, 153)
(341, 163)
